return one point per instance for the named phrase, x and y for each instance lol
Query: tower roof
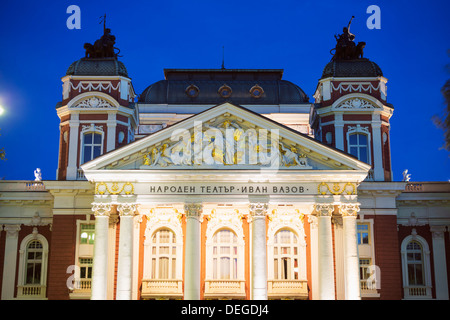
(351, 68)
(97, 67)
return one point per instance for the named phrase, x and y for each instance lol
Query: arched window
(163, 255)
(414, 258)
(416, 267)
(32, 279)
(285, 255)
(225, 255)
(358, 142)
(34, 262)
(92, 146)
(359, 147)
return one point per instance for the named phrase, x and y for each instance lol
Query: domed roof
(97, 67)
(351, 68)
(241, 87)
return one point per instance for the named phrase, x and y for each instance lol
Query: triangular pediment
(222, 138)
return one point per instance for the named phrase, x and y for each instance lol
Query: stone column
(193, 213)
(351, 261)
(9, 266)
(258, 212)
(439, 261)
(125, 259)
(100, 263)
(325, 256)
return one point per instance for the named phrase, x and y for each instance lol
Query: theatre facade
(224, 184)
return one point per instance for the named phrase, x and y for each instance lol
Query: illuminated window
(87, 234)
(163, 255)
(285, 255)
(225, 255)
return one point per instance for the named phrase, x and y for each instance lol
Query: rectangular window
(363, 233)
(87, 234)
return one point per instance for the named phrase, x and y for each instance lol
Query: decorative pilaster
(9, 266)
(194, 218)
(349, 213)
(258, 213)
(125, 260)
(325, 256)
(100, 263)
(72, 169)
(440, 264)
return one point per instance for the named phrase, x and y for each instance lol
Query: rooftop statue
(103, 47)
(345, 46)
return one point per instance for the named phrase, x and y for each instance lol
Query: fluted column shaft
(125, 260)
(351, 261)
(193, 213)
(100, 263)
(325, 247)
(258, 212)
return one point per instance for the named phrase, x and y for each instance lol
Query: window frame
(23, 264)
(359, 130)
(411, 290)
(92, 129)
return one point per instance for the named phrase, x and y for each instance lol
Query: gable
(222, 138)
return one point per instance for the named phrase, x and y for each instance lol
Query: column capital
(193, 210)
(437, 232)
(349, 209)
(258, 209)
(101, 209)
(12, 230)
(127, 209)
(324, 209)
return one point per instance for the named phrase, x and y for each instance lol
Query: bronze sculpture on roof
(345, 46)
(103, 47)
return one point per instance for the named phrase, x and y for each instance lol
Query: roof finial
(223, 57)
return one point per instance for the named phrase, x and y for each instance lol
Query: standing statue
(37, 174)
(345, 46)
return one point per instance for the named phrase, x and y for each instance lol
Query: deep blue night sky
(37, 48)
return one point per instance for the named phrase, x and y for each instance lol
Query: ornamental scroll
(114, 188)
(337, 188)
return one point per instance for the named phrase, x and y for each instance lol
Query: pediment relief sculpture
(225, 142)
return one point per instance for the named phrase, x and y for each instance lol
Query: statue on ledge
(345, 46)
(103, 47)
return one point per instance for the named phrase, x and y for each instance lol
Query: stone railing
(417, 292)
(161, 288)
(22, 185)
(438, 186)
(31, 291)
(224, 288)
(287, 288)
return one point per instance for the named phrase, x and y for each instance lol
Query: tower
(97, 112)
(352, 108)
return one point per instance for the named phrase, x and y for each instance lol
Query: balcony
(31, 292)
(293, 289)
(162, 289)
(82, 289)
(216, 289)
(417, 292)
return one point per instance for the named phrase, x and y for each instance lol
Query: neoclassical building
(224, 184)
